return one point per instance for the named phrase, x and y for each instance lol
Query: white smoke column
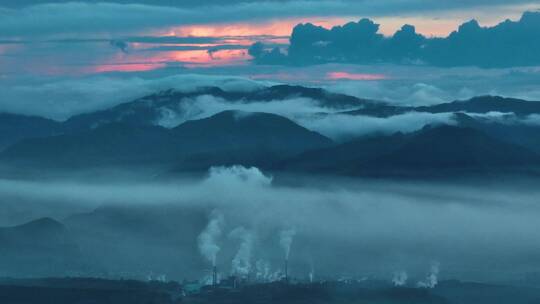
(432, 278)
(241, 264)
(275, 276)
(263, 270)
(285, 240)
(209, 237)
(237, 176)
(400, 278)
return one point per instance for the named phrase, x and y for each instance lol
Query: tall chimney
(214, 276)
(286, 270)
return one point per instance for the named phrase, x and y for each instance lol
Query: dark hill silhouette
(230, 136)
(44, 232)
(14, 127)
(432, 151)
(485, 104)
(525, 135)
(481, 105)
(449, 147)
(149, 109)
(234, 137)
(42, 246)
(106, 145)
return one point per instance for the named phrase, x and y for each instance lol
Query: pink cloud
(354, 76)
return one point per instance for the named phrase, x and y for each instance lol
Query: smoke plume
(311, 273)
(241, 263)
(209, 237)
(432, 278)
(400, 278)
(285, 240)
(262, 268)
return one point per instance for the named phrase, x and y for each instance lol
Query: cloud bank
(309, 113)
(507, 44)
(64, 98)
(61, 99)
(378, 228)
(53, 18)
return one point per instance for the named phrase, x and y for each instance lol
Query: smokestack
(214, 276)
(208, 241)
(286, 270)
(285, 240)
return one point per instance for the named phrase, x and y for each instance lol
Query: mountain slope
(227, 137)
(479, 105)
(485, 104)
(120, 230)
(432, 151)
(111, 144)
(150, 110)
(44, 231)
(338, 159)
(448, 147)
(525, 135)
(234, 137)
(40, 246)
(14, 128)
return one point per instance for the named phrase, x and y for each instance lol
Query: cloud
(89, 17)
(173, 40)
(60, 99)
(63, 98)
(206, 105)
(121, 45)
(238, 175)
(378, 227)
(68, 38)
(533, 119)
(341, 127)
(422, 85)
(508, 118)
(507, 44)
(406, 93)
(84, 18)
(194, 3)
(262, 55)
(354, 76)
(309, 113)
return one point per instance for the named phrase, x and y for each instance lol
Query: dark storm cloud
(121, 45)
(38, 18)
(504, 45)
(183, 3)
(135, 39)
(441, 4)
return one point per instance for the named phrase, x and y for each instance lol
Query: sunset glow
(353, 76)
(281, 27)
(146, 57)
(438, 27)
(156, 60)
(227, 43)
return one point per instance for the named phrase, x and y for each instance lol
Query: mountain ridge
(248, 137)
(431, 151)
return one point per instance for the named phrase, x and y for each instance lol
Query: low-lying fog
(248, 221)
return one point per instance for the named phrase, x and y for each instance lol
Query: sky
(62, 37)
(46, 42)
(63, 58)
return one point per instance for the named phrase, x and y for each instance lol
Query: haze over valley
(269, 151)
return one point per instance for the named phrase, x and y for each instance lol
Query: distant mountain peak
(41, 224)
